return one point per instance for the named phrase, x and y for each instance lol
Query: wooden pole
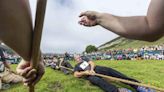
(66, 68)
(37, 34)
(129, 82)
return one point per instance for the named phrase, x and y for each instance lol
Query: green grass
(56, 81)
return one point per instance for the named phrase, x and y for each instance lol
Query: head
(77, 58)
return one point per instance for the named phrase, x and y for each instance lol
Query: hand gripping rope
(122, 80)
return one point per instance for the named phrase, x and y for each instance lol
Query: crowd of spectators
(11, 58)
(155, 52)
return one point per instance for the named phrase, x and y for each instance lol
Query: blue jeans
(105, 85)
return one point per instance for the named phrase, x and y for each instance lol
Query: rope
(66, 68)
(122, 80)
(37, 34)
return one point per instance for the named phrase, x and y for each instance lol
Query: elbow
(155, 32)
(154, 36)
(75, 75)
(150, 35)
(153, 39)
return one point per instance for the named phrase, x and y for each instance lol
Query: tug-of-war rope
(37, 35)
(40, 13)
(121, 80)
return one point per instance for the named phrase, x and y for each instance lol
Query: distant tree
(90, 49)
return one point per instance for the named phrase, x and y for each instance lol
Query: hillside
(123, 43)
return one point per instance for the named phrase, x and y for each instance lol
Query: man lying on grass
(58, 62)
(86, 68)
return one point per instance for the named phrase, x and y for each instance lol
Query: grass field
(55, 81)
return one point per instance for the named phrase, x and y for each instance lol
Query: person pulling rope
(106, 74)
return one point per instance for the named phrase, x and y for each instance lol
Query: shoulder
(85, 58)
(77, 67)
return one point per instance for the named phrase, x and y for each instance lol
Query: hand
(31, 76)
(89, 18)
(87, 72)
(92, 72)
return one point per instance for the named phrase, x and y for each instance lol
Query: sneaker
(144, 89)
(124, 90)
(5, 86)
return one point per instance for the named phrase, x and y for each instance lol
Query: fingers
(86, 23)
(88, 18)
(87, 13)
(40, 73)
(30, 73)
(30, 77)
(92, 72)
(39, 76)
(83, 20)
(82, 14)
(23, 72)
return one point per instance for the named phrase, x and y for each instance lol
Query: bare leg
(16, 26)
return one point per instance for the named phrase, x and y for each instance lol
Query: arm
(148, 28)
(80, 74)
(92, 64)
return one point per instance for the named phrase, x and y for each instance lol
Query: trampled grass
(55, 81)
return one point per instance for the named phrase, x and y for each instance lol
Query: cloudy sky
(63, 33)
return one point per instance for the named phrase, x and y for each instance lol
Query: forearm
(136, 27)
(79, 74)
(92, 65)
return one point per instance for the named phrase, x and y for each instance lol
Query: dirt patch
(56, 85)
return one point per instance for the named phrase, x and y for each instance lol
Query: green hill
(123, 43)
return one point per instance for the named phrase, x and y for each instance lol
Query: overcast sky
(62, 33)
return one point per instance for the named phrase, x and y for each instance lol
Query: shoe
(144, 89)
(5, 86)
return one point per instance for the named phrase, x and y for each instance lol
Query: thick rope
(37, 34)
(121, 80)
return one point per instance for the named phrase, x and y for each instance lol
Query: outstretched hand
(89, 18)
